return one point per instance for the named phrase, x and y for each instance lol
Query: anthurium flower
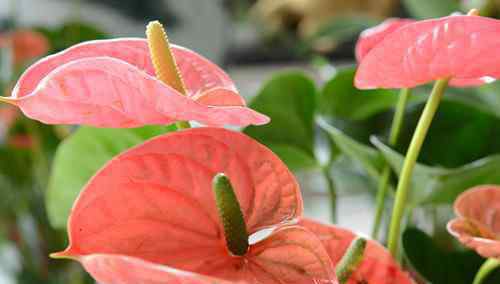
(463, 48)
(26, 44)
(112, 83)
(369, 38)
(377, 266)
(477, 225)
(150, 215)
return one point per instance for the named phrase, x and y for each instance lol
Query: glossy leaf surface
(289, 99)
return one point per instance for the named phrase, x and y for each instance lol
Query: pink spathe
(369, 38)
(463, 48)
(377, 266)
(477, 225)
(111, 83)
(150, 215)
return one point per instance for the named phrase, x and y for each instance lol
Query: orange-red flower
(26, 44)
(377, 266)
(150, 215)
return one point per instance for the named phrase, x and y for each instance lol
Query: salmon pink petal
(470, 235)
(220, 97)
(199, 73)
(116, 269)
(155, 201)
(377, 266)
(291, 255)
(369, 38)
(461, 47)
(477, 225)
(107, 92)
(8, 116)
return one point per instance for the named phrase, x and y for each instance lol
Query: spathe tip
(67, 254)
(8, 100)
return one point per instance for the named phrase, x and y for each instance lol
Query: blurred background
(251, 39)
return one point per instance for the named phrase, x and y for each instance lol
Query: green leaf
(70, 34)
(294, 157)
(458, 153)
(438, 265)
(438, 185)
(484, 171)
(350, 179)
(459, 134)
(289, 99)
(341, 99)
(80, 156)
(344, 28)
(424, 9)
(424, 177)
(365, 155)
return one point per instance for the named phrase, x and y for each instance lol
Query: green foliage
(458, 153)
(343, 28)
(438, 185)
(424, 9)
(16, 178)
(368, 157)
(463, 130)
(289, 99)
(439, 265)
(70, 34)
(81, 156)
(341, 99)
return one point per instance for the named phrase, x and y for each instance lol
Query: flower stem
(164, 63)
(486, 269)
(333, 194)
(383, 186)
(229, 209)
(351, 260)
(411, 158)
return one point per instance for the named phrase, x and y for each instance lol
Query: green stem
(333, 194)
(486, 269)
(383, 186)
(411, 158)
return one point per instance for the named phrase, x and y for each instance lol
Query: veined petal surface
(478, 225)
(155, 201)
(461, 47)
(198, 72)
(377, 267)
(117, 269)
(291, 255)
(108, 92)
(369, 38)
